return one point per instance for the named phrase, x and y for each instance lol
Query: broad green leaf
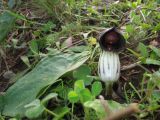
(1, 7)
(45, 73)
(77, 48)
(67, 43)
(143, 50)
(1, 103)
(156, 50)
(96, 88)
(152, 61)
(114, 106)
(83, 73)
(52, 51)
(13, 119)
(61, 111)
(73, 97)
(79, 85)
(48, 97)
(34, 109)
(6, 24)
(99, 108)
(85, 95)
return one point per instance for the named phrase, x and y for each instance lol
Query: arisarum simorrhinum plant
(111, 42)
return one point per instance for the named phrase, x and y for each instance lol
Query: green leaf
(136, 18)
(34, 47)
(96, 88)
(26, 60)
(63, 92)
(153, 55)
(99, 108)
(13, 119)
(52, 38)
(70, 2)
(113, 106)
(11, 3)
(157, 27)
(34, 109)
(85, 95)
(45, 73)
(6, 24)
(152, 61)
(139, 1)
(73, 97)
(77, 48)
(155, 96)
(48, 97)
(143, 50)
(1, 102)
(156, 78)
(61, 111)
(48, 26)
(79, 85)
(134, 53)
(83, 73)
(156, 50)
(130, 29)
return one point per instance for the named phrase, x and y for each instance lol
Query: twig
(144, 68)
(132, 108)
(134, 65)
(105, 105)
(129, 66)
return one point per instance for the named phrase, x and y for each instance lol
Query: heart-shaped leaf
(96, 88)
(79, 86)
(83, 73)
(73, 97)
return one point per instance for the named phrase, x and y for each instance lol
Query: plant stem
(109, 90)
(135, 90)
(72, 110)
(125, 92)
(86, 110)
(1, 118)
(50, 112)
